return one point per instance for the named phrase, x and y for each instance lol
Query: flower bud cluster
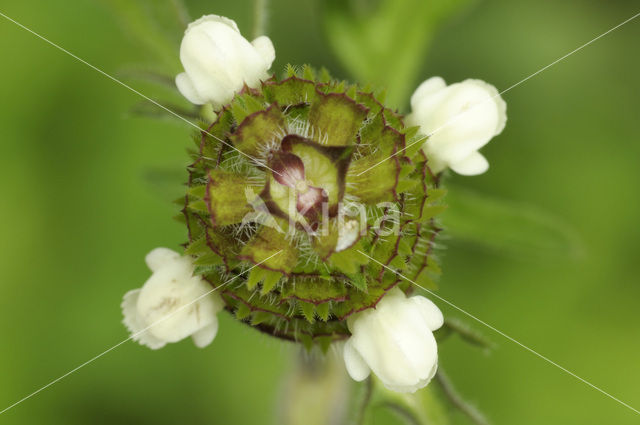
(310, 207)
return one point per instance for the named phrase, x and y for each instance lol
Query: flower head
(314, 199)
(219, 61)
(172, 305)
(395, 341)
(304, 180)
(459, 119)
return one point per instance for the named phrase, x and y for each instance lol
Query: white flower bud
(395, 341)
(218, 61)
(172, 304)
(463, 117)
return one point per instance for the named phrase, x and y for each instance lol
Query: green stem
(316, 391)
(365, 401)
(468, 334)
(403, 412)
(456, 399)
(259, 18)
(181, 12)
(424, 407)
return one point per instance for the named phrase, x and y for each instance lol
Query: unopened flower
(395, 340)
(172, 305)
(463, 117)
(219, 61)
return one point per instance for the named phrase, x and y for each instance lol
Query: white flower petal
(214, 19)
(459, 119)
(185, 87)
(356, 366)
(421, 383)
(205, 336)
(430, 312)
(173, 304)
(427, 89)
(472, 165)
(219, 61)
(414, 341)
(129, 310)
(265, 48)
(395, 341)
(160, 257)
(209, 58)
(500, 103)
(135, 324)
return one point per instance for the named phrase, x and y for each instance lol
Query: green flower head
(304, 187)
(311, 208)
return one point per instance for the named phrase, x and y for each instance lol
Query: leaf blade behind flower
(509, 227)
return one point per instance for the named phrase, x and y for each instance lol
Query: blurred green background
(83, 200)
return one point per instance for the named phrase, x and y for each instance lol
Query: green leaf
(308, 311)
(290, 70)
(243, 311)
(324, 243)
(198, 206)
(208, 260)
(306, 341)
(258, 129)
(324, 342)
(337, 118)
(308, 73)
(314, 290)
(322, 310)
(256, 275)
(509, 227)
(384, 42)
(227, 201)
(197, 247)
(244, 105)
(414, 143)
(373, 176)
(349, 260)
(359, 281)
(291, 91)
(430, 211)
(271, 250)
(270, 281)
(260, 317)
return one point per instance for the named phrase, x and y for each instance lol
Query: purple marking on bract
(310, 201)
(289, 169)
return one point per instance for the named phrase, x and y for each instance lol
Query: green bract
(282, 180)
